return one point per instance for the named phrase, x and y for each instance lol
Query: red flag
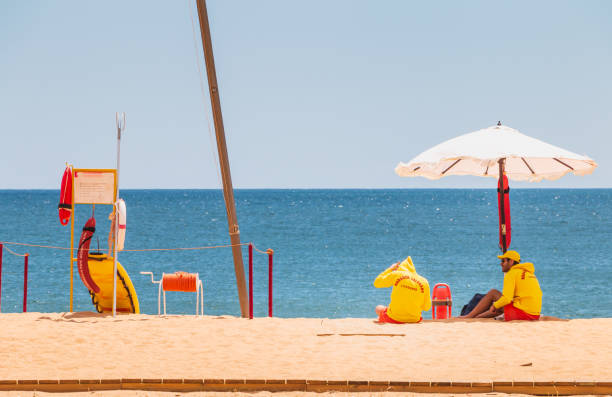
(503, 202)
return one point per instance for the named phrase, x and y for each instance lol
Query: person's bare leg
(379, 309)
(488, 314)
(483, 306)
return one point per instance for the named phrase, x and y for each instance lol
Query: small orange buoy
(180, 281)
(441, 301)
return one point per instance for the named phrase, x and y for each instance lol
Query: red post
(250, 281)
(25, 283)
(1, 276)
(270, 255)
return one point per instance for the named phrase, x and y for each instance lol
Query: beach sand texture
(93, 346)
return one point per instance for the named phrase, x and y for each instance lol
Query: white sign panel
(94, 187)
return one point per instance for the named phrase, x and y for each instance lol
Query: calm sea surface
(329, 246)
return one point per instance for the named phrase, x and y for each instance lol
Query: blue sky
(315, 94)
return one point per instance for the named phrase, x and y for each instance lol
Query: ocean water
(329, 246)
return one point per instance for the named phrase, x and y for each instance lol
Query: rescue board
(101, 271)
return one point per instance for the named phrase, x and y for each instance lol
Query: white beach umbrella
(495, 152)
(479, 153)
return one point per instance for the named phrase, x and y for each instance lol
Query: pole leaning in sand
(228, 192)
(120, 119)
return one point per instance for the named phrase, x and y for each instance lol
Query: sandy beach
(93, 346)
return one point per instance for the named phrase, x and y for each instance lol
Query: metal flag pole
(120, 119)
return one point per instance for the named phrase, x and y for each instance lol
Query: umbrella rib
(527, 164)
(451, 166)
(559, 161)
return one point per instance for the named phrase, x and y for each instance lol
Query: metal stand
(199, 293)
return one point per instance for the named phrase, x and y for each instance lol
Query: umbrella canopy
(498, 152)
(478, 153)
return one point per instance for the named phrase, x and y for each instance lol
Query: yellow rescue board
(101, 271)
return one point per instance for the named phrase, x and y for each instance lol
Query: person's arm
(508, 291)
(386, 278)
(427, 301)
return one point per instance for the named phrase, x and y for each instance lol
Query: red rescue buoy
(65, 204)
(505, 230)
(441, 301)
(83, 255)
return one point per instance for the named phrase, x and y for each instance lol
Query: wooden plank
(276, 385)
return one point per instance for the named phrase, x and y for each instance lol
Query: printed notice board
(94, 187)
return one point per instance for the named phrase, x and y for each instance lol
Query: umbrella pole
(502, 212)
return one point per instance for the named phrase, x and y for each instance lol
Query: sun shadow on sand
(446, 320)
(88, 316)
(92, 317)
(476, 320)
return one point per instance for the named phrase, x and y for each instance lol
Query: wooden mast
(228, 191)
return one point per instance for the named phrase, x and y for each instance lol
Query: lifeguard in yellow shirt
(521, 297)
(409, 297)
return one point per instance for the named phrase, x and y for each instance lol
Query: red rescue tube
(65, 204)
(504, 221)
(83, 255)
(441, 301)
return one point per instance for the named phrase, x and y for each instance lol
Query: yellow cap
(511, 255)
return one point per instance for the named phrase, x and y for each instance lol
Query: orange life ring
(65, 205)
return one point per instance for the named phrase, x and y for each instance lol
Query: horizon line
(332, 188)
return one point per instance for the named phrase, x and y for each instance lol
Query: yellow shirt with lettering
(522, 289)
(410, 295)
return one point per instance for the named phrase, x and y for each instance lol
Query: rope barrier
(266, 252)
(270, 253)
(13, 252)
(130, 250)
(33, 245)
(189, 248)
(25, 273)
